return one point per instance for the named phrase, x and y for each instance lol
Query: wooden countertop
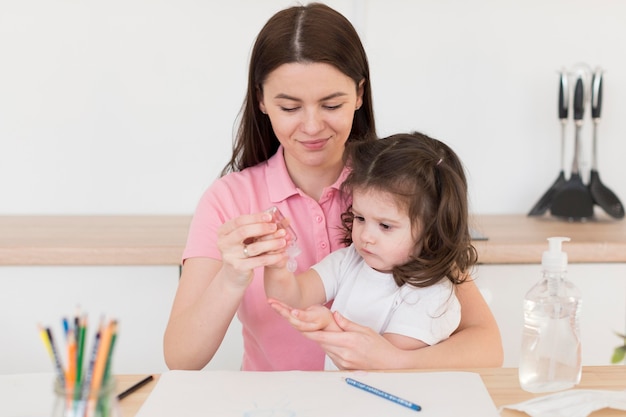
(522, 239)
(92, 240)
(159, 240)
(502, 384)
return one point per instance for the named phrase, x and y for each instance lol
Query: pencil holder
(83, 403)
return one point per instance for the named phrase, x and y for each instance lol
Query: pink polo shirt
(270, 343)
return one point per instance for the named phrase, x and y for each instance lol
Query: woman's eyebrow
(328, 97)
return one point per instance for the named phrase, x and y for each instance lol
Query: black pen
(135, 387)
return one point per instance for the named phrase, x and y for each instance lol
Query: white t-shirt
(373, 299)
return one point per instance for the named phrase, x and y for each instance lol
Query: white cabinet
(139, 297)
(603, 288)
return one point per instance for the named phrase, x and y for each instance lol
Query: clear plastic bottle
(551, 351)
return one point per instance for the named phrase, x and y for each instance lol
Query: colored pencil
(134, 387)
(55, 357)
(98, 367)
(66, 327)
(107, 370)
(70, 375)
(86, 382)
(82, 330)
(383, 394)
(101, 358)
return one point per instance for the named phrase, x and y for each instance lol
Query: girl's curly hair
(428, 179)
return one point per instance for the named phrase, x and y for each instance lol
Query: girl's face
(311, 107)
(381, 231)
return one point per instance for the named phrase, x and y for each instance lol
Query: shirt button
(323, 245)
(318, 219)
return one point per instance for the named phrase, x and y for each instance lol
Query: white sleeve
(428, 314)
(333, 268)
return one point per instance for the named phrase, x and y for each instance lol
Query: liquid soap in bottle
(551, 350)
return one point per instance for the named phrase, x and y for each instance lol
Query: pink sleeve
(211, 213)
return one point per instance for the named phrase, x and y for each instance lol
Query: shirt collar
(279, 182)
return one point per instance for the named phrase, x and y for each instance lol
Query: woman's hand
(353, 346)
(315, 317)
(248, 242)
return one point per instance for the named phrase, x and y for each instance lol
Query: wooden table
(502, 384)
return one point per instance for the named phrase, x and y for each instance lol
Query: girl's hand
(316, 317)
(248, 242)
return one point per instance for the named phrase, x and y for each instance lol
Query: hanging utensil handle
(579, 99)
(596, 94)
(563, 96)
(579, 112)
(596, 107)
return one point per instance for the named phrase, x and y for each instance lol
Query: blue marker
(383, 394)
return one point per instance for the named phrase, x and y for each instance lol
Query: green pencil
(81, 349)
(107, 369)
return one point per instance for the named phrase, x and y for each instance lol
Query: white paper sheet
(315, 394)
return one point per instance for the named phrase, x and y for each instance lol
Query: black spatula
(573, 200)
(601, 194)
(545, 201)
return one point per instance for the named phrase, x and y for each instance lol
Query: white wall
(128, 106)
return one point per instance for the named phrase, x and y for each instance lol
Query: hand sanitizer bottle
(551, 352)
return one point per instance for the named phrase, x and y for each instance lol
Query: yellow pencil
(45, 340)
(46, 336)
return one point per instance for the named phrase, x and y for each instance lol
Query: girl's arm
(298, 291)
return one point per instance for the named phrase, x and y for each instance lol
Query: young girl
(409, 246)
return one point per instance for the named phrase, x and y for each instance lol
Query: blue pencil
(383, 394)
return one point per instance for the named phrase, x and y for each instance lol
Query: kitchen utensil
(601, 194)
(545, 201)
(573, 200)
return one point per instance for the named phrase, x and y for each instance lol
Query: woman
(308, 94)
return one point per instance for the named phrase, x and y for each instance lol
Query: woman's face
(311, 107)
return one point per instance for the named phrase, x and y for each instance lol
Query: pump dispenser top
(554, 259)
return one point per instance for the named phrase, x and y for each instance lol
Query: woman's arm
(475, 343)
(209, 291)
(204, 306)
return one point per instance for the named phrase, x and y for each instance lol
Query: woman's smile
(314, 145)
